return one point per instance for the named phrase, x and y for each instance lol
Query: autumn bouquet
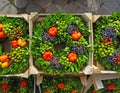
(106, 41)
(61, 85)
(60, 43)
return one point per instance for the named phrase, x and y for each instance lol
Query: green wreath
(16, 85)
(60, 44)
(13, 45)
(61, 85)
(106, 38)
(109, 86)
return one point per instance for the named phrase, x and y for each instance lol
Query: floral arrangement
(61, 85)
(106, 41)
(60, 44)
(14, 53)
(16, 85)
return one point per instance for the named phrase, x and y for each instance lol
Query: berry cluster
(77, 49)
(109, 33)
(107, 41)
(62, 26)
(71, 29)
(117, 59)
(105, 50)
(17, 54)
(46, 36)
(54, 63)
(112, 58)
(15, 33)
(12, 31)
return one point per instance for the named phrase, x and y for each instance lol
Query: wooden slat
(89, 84)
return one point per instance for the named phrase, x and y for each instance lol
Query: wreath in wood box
(14, 53)
(61, 85)
(106, 38)
(60, 43)
(16, 85)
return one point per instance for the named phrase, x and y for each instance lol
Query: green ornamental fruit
(0, 63)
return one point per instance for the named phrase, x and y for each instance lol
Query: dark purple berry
(54, 63)
(109, 33)
(71, 28)
(77, 49)
(46, 36)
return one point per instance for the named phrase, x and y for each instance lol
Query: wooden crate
(23, 17)
(87, 17)
(98, 68)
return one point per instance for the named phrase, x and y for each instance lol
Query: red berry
(47, 91)
(72, 57)
(23, 84)
(53, 31)
(76, 35)
(4, 86)
(48, 55)
(61, 85)
(1, 27)
(110, 86)
(93, 91)
(2, 35)
(14, 43)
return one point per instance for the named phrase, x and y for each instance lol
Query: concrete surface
(51, 6)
